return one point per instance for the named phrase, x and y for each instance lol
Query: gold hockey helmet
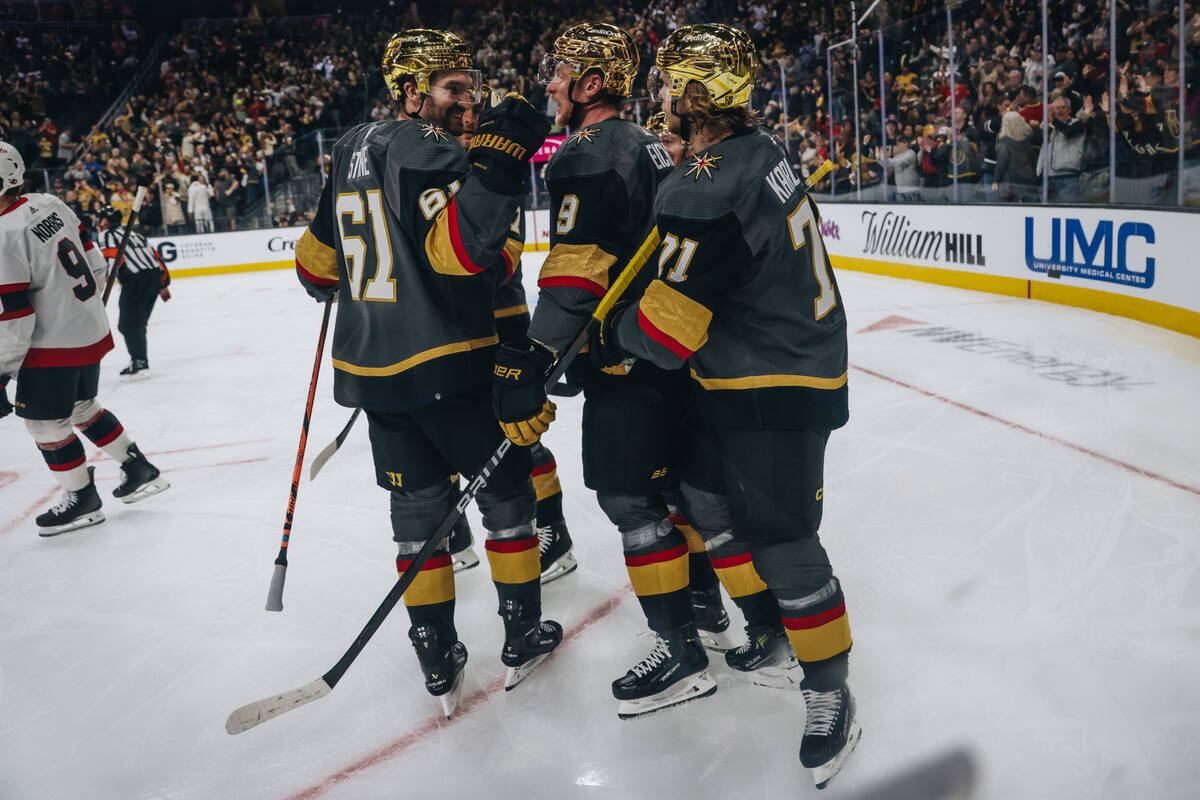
(657, 124)
(598, 46)
(719, 56)
(420, 52)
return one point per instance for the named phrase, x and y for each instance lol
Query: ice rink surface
(1013, 510)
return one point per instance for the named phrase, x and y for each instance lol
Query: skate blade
(565, 564)
(716, 641)
(140, 375)
(86, 521)
(464, 560)
(450, 699)
(699, 685)
(517, 674)
(150, 489)
(825, 773)
(786, 677)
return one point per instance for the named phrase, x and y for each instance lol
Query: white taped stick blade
(139, 197)
(257, 713)
(275, 593)
(321, 458)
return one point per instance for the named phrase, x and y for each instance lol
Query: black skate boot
(527, 641)
(674, 672)
(830, 732)
(443, 665)
(137, 368)
(77, 509)
(554, 545)
(462, 554)
(767, 658)
(139, 478)
(711, 619)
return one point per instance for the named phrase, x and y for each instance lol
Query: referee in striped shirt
(143, 277)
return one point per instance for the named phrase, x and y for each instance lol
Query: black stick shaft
(120, 257)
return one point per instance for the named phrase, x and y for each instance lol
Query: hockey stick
(258, 712)
(120, 257)
(275, 593)
(332, 447)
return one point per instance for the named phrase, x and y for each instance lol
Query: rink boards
(1129, 262)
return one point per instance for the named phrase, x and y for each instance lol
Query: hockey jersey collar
(15, 206)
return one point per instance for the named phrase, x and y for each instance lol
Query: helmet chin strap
(578, 110)
(685, 122)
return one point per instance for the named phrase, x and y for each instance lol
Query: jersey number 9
(76, 266)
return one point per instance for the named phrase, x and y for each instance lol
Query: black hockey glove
(519, 391)
(603, 346)
(6, 407)
(319, 293)
(509, 133)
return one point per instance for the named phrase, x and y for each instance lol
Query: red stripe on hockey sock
(58, 444)
(83, 426)
(542, 469)
(657, 558)
(511, 545)
(816, 620)
(68, 466)
(437, 562)
(731, 561)
(111, 437)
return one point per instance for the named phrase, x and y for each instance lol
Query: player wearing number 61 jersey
(53, 333)
(746, 299)
(412, 233)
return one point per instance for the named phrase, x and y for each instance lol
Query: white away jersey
(51, 282)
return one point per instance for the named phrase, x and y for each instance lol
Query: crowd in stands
(228, 107)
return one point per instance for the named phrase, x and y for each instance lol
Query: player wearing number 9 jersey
(411, 232)
(53, 333)
(745, 297)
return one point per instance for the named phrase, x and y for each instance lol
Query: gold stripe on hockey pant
(433, 584)
(514, 560)
(673, 319)
(418, 359)
(820, 636)
(766, 381)
(545, 480)
(511, 311)
(659, 573)
(583, 266)
(738, 575)
(317, 259)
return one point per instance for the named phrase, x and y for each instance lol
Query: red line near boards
(470, 703)
(1024, 429)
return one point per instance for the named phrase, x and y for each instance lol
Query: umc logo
(1097, 254)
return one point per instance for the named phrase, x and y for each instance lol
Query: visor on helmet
(464, 86)
(552, 67)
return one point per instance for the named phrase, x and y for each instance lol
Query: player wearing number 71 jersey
(745, 297)
(53, 333)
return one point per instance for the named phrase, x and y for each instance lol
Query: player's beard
(449, 118)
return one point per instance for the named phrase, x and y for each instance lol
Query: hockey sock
(516, 570)
(106, 432)
(817, 624)
(66, 459)
(460, 535)
(546, 485)
(700, 570)
(659, 574)
(735, 568)
(430, 597)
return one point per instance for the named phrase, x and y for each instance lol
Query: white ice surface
(1019, 555)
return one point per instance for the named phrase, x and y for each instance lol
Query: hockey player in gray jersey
(411, 232)
(602, 183)
(745, 297)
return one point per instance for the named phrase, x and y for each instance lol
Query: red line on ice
(468, 704)
(1018, 426)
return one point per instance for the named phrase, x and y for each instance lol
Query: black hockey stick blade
(332, 447)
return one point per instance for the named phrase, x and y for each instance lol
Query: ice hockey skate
(712, 622)
(443, 665)
(767, 659)
(139, 478)
(555, 548)
(527, 642)
(137, 370)
(831, 732)
(675, 672)
(77, 509)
